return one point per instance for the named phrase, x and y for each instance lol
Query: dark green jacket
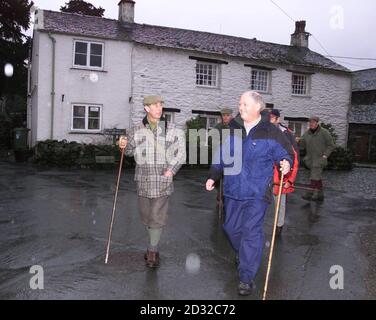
(316, 146)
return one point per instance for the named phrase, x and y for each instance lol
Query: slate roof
(364, 80)
(204, 42)
(363, 114)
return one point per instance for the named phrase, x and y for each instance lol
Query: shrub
(73, 154)
(6, 126)
(197, 123)
(55, 153)
(340, 159)
(330, 128)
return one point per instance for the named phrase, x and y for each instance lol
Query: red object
(291, 176)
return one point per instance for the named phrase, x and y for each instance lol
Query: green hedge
(73, 154)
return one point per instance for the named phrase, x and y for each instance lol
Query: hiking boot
(245, 289)
(279, 231)
(152, 259)
(318, 195)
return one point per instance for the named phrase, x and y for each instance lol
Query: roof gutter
(53, 40)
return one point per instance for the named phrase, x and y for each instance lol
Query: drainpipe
(29, 102)
(53, 84)
(131, 100)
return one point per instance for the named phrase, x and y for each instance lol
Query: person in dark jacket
(318, 144)
(289, 179)
(247, 159)
(226, 117)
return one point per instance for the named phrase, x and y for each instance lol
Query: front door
(362, 147)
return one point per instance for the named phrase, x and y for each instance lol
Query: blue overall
(248, 193)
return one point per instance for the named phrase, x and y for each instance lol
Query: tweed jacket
(156, 150)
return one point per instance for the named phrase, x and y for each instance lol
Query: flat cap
(148, 100)
(276, 113)
(314, 118)
(226, 111)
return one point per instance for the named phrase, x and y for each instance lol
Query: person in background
(318, 144)
(226, 117)
(289, 179)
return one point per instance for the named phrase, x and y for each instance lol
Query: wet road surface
(59, 219)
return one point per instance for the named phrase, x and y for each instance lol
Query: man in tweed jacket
(159, 151)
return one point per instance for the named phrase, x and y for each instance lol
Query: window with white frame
(88, 54)
(207, 74)
(210, 123)
(300, 84)
(298, 127)
(169, 116)
(260, 80)
(86, 117)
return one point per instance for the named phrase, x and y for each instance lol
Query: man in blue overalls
(247, 158)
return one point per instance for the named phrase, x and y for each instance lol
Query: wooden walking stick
(220, 203)
(273, 236)
(114, 205)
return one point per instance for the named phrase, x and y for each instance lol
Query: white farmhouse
(89, 74)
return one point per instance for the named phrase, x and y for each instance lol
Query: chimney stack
(126, 11)
(300, 37)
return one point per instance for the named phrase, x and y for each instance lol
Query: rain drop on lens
(193, 263)
(8, 70)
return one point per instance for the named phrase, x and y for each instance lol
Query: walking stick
(114, 206)
(220, 204)
(273, 237)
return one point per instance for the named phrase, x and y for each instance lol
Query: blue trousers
(244, 228)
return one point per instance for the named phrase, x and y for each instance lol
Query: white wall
(32, 101)
(112, 90)
(330, 99)
(171, 73)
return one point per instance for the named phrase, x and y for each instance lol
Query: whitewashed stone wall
(172, 74)
(169, 72)
(330, 99)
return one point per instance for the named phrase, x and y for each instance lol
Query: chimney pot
(126, 11)
(300, 37)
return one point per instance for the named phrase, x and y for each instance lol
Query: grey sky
(349, 34)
